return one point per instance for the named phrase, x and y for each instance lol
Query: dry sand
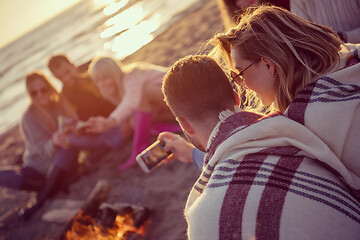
(164, 190)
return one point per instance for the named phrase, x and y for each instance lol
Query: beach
(164, 191)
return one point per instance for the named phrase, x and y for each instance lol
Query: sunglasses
(239, 77)
(43, 90)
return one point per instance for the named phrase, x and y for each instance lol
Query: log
(97, 196)
(91, 206)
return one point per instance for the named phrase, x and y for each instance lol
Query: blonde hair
(105, 65)
(230, 13)
(300, 50)
(63, 104)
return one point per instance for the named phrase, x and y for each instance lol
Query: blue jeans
(66, 159)
(111, 138)
(31, 179)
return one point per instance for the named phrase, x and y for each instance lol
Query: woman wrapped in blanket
(264, 177)
(136, 91)
(299, 67)
(46, 158)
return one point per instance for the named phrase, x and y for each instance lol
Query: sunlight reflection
(123, 21)
(97, 4)
(132, 40)
(114, 7)
(107, 45)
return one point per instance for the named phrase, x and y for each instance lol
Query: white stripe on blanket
(330, 108)
(294, 177)
(263, 180)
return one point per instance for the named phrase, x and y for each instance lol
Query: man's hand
(181, 149)
(99, 124)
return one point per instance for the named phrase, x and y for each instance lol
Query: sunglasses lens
(233, 74)
(34, 93)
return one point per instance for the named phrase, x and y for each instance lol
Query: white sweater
(340, 15)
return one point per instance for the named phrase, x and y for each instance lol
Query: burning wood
(90, 222)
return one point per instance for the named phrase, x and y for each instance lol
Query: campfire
(109, 222)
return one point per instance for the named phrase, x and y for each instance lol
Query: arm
(182, 149)
(198, 158)
(36, 137)
(142, 87)
(133, 85)
(133, 88)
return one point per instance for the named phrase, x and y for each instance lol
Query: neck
(204, 130)
(49, 105)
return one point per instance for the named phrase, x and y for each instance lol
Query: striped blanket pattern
(292, 176)
(263, 181)
(330, 108)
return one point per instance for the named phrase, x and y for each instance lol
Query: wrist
(111, 123)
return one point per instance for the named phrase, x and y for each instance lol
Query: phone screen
(152, 156)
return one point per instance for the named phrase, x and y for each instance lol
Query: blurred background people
(48, 162)
(78, 89)
(140, 111)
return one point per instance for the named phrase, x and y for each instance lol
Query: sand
(164, 190)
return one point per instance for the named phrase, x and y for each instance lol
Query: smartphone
(152, 156)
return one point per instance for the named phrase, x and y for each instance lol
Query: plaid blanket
(330, 108)
(285, 177)
(271, 178)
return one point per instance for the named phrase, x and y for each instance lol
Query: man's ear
(186, 125)
(270, 66)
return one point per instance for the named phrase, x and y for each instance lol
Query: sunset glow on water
(89, 28)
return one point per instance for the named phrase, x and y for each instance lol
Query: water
(89, 28)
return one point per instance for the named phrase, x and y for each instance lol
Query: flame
(84, 228)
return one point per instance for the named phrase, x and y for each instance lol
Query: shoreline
(9, 126)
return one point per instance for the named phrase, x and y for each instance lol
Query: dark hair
(197, 88)
(55, 61)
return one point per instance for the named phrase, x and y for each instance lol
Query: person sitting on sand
(136, 90)
(47, 159)
(262, 175)
(79, 89)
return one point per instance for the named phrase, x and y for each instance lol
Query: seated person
(136, 90)
(47, 160)
(79, 89)
(341, 16)
(264, 177)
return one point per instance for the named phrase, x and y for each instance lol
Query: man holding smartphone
(263, 176)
